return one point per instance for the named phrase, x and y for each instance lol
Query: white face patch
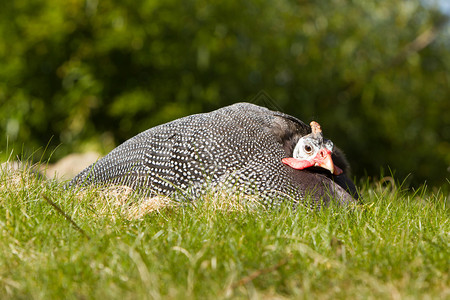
(308, 147)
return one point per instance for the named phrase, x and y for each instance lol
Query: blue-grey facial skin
(328, 144)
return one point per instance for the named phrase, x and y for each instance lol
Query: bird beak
(322, 159)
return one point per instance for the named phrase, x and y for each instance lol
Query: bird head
(313, 150)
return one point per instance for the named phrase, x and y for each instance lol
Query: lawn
(108, 244)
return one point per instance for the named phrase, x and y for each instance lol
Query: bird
(243, 147)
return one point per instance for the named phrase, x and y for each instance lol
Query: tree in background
(90, 74)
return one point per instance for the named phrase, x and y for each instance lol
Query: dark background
(86, 75)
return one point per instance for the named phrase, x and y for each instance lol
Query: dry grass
(135, 206)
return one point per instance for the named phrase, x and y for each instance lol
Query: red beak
(322, 159)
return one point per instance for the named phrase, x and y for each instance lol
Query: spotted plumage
(238, 147)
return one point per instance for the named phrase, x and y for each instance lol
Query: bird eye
(308, 149)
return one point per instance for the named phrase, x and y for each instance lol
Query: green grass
(394, 246)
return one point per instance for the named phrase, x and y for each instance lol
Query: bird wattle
(298, 164)
(322, 159)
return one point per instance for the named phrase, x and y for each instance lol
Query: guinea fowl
(242, 147)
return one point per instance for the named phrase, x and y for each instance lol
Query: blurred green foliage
(90, 74)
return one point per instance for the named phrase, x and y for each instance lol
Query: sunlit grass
(396, 245)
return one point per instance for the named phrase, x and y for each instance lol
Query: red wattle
(296, 163)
